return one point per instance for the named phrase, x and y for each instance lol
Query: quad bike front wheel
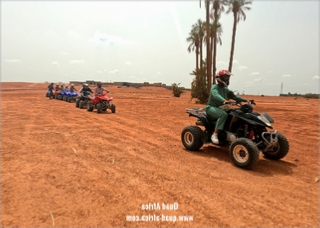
(81, 104)
(244, 153)
(99, 108)
(191, 138)
(113, 108)
(279, 151)
(89, 106)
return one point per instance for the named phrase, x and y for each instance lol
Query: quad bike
(49, 94)
(245, 132)
(66, 95)
(101, 103)
(55, 94)
(82, 100)
(61, 95)
(70, 96)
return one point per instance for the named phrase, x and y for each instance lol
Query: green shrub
(177, 91)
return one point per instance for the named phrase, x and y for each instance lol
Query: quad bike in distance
(50, 94)
(55, 94)
(70, 96)
(245, 132)
(101, 103)
(82, 99)
(61, 95)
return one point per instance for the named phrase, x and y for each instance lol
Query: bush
(176, 90)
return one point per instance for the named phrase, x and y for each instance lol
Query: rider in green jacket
(218, 96)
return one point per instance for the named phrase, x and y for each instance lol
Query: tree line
(208, 34)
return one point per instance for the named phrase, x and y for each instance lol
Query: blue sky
(146, 41)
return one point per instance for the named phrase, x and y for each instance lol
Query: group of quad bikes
(85, 100)
(245, 133)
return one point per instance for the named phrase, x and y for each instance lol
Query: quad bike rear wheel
(244, 153)
(113, 108)
(99, 108)
(77, 103)
(279, 151)
(191, 138)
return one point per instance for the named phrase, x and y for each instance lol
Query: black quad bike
(82, 100)
(245, 132)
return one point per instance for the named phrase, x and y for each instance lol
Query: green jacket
(218, 95)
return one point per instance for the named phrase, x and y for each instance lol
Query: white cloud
(76, 61)
(113, 71)
(55, 63)
(242, 67)
(248, 83)
(222, 63)
(158, 73)
(257, 79)
(128, 63)
(64, 53)
(12, 60)
(105, 38)
(235, 61)
(99, 72)
(316, 77)
(255, 73)
(132, 77)
(286, 75)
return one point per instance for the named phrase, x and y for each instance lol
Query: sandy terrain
(135, 156)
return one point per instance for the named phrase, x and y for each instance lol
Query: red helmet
(224, 72)
(223, 77)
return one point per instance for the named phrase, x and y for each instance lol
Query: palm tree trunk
(213, 52)
(208, 46)
(214, 56)
(201, 62)
(197, 58)
(233, 40)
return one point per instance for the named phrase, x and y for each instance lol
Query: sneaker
(214, 139)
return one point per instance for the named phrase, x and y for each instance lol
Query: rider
(218, 97)
(57, 88)
(85, 88)
(98, 91)
(50, 89)
(72, 89)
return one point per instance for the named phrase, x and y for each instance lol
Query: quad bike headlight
(265, 120)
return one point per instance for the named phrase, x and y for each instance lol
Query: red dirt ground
(135, 156)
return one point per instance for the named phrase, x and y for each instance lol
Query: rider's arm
(237, 98)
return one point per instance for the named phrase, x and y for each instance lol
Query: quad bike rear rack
(197, 110)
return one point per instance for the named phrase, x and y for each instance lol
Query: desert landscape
(62, 166)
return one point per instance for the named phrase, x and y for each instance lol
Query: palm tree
(207, 40)
(199, 29)
(194, 44)
(218, 8)
(237, 7)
